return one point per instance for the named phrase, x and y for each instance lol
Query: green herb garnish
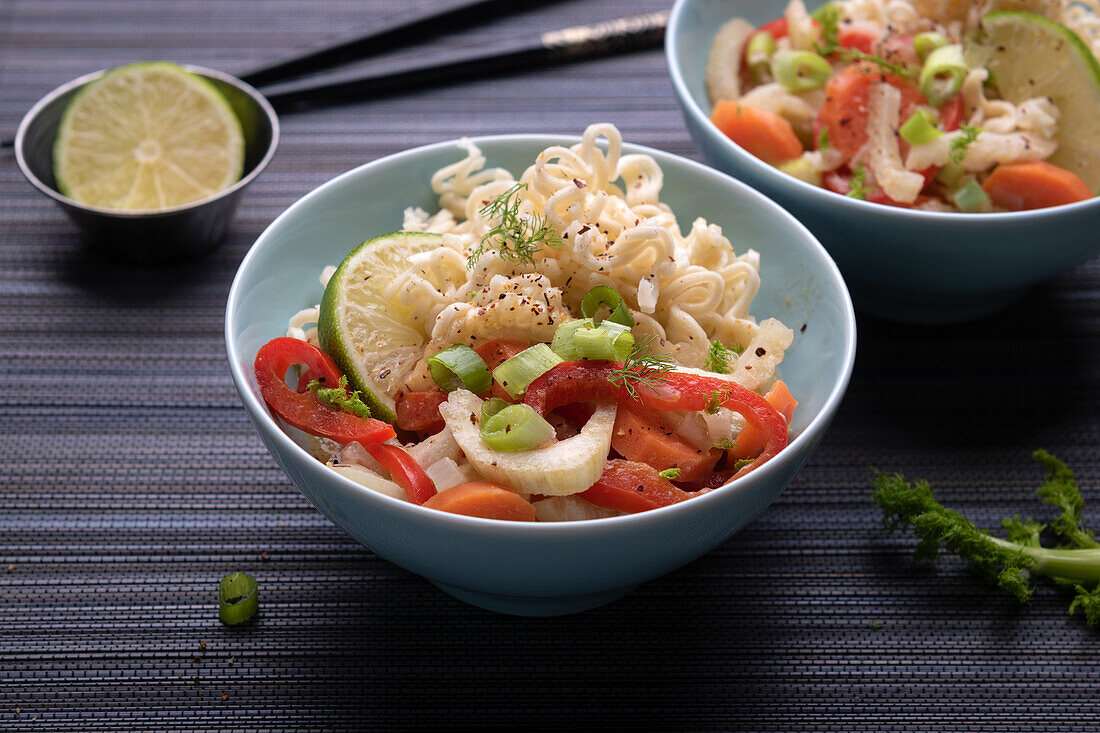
(671, 474)
(340, 398)
(856, 184)
(516, 237)
(1009, 563)
(823, 139)
(962, 142)
(714, 404)
(642, 367)
(719, 356)
(742, 463)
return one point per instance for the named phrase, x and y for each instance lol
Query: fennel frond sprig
(642, 368)
(1010, 563)
(514, 235)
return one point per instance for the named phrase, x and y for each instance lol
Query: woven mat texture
(131, 479)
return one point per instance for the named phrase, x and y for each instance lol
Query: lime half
(375, 341)
(1031, 56)
(147, 136)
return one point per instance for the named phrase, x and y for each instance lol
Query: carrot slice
(483, 499)
(1034, 185)
(764, 134)
(640, 435)
(750, 440)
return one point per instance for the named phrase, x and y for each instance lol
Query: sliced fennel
(566, 467)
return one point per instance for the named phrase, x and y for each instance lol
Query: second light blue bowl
(905, 265)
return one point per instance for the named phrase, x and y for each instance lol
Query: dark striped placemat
(131, 480)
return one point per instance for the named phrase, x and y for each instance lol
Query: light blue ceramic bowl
(541, 569)
(913, 266)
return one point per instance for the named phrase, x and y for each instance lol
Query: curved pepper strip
(302, 409)
(404, 470)
(579, 381)
(631, 486)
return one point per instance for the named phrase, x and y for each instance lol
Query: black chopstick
(444, 16)
(569, 44)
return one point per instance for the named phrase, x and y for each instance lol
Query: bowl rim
(805, 441)
(32, 115)
(821, 196)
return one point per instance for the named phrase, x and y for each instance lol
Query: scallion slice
(492, 406)
(603, 295)
(565, 343)
(237, 598)
(525, 367)
(800, 71)
(926, 43)
(920, 128)
(942, 76)
(610, 341)
(459, 366)
(951, 174)
(515, 428)
(758, 56)
(971, 197)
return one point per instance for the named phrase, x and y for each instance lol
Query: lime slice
(147, 136)
(1031, 56)
(375, 341)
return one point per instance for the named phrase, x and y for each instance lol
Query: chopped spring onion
(920, 128)
(970, 197)
(237, 598)
(670, 473)
(603, 295)
(926, 43)
(951, 174)
(800, 71)
(492, 406)
(525, 367)
(610, 341)
(459, 366)
(942, 76)
(515, 428)
(802, 169)
(758, 56)
(565, 343)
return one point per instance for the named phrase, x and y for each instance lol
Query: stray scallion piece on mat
(237, 598)
(1010, 563)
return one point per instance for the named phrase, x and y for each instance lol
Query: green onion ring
(525, 367)
(237, 598)
(942, 76)
(926, 43)
(758, 55)
(970, 197)
(565, 338)
(459, 366)
(609, 341)
(492, 406)
(516, 428)
(603, 295)
(800, 71)
(920, 128)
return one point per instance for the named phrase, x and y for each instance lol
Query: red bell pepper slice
(404, 470)
(302, 409)
(631, 486)
(578, 381)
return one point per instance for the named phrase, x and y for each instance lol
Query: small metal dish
(161, 235)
